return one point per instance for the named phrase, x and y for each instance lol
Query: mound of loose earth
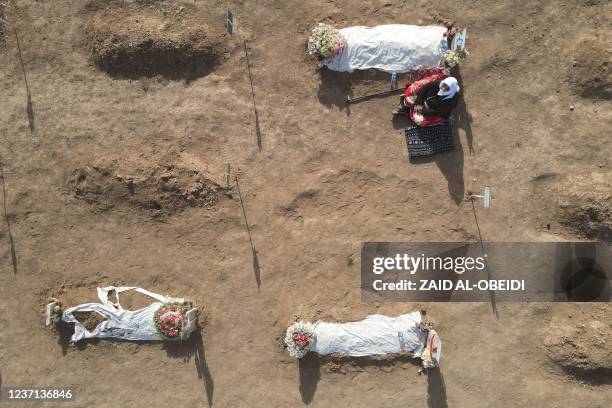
(581, 203)
(160, 40)
(163, 190)
(581, 347)
(591, 75)
(585, 206)
(589, 218)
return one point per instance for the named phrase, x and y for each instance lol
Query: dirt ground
(534, 123)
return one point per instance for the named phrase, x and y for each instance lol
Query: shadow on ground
(194, 347)
(8, 223)
(185, 350)
(436, 389)
(451, 167)
(310, 367)
(336, 87)
(256, 269)
(310, 374)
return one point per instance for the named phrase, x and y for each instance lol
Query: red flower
(169, 320)
(301, 340)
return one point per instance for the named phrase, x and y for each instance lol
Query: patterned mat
(425, 141)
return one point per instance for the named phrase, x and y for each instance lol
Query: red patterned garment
(410, 96)
(424, 72)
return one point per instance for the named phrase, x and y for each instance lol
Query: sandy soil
(534, 123)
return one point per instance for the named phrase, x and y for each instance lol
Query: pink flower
(301, 340)
(169, 320)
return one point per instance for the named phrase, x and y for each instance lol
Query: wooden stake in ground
(229, 21)
(350, 100)
(256, 268)
(228, 171)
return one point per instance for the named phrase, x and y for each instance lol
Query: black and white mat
(425, 141)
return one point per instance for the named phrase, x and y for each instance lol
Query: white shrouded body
(374, 335)
(392, 47)
(125, 324)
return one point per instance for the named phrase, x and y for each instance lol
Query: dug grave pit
(161, 190)
(165, 40)
(577, 344)
(591, 72)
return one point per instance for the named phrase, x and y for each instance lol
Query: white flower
(324, 39)
(455, 57)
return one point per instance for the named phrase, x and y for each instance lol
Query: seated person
(431, 100)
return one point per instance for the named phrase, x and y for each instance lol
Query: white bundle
(392, 47)
(378, 335)
(125, 324)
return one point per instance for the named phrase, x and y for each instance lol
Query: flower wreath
(456, 57)
(325, 42)
(300, 337)
(169, 319)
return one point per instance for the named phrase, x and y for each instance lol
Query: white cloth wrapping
(121, 323)
(392, 47)
(374, 335)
